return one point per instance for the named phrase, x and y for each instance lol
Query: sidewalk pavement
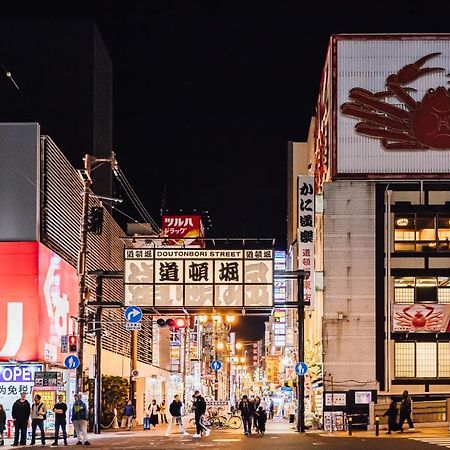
(418, 432)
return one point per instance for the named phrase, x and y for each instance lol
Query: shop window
(426, 360)
(422, 360)
(444, 359)
(404, 360)
(421, 232)
(408, 290)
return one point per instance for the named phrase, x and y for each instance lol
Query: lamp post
(298, 275)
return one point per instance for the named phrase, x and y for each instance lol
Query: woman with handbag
(153, 411)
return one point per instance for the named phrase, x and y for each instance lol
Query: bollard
(350, 419)
(377, 426)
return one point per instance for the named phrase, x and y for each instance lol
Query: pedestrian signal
(73, 343)
(172, 322)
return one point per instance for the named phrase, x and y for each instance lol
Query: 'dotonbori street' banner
(428, 318)
(195, 278)
(306, 235)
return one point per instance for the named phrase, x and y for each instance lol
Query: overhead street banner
(197, 278)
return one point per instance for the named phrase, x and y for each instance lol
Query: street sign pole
(301, 353)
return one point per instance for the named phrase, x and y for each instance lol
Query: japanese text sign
(306, 235)
(193, 278)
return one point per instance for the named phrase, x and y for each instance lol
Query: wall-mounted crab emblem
(417, 125)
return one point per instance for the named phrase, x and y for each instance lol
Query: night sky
(207, 95)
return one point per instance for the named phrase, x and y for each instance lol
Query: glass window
(408, 290)
(404, 360)
(444, 359)
(443, 290)
(426, 360)
(404, 232)
(444, 231)
(422, 360)
(426, 290)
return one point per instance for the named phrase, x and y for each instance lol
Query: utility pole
(85, 175)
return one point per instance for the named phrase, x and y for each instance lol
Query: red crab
(430, 320)
(422, 125)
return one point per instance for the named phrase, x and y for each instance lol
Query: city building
(379, 151)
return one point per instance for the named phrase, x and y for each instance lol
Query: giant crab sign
(420, 125)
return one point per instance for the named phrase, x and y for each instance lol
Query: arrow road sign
(72, 362)
(133, 314)
(216, 365)
(301, 368)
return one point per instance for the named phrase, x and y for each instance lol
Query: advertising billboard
(391, 106)
(38, 297)
(424, 318)
(183, 230)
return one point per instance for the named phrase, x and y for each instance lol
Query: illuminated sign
(190, 278)
(38, 297)
(183, 230)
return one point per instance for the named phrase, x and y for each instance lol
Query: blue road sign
(72, 362)
(216, 365)
(133, 314)
(301, 368)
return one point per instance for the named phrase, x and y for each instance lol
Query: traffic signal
(172, 322)
(64, 344)
(95, 220)
(73, 343)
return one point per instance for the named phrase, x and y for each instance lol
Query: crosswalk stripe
(441, 442)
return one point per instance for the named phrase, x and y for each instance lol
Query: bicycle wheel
(235, 422)
(222, 422)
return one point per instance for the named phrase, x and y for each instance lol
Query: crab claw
(411, 72)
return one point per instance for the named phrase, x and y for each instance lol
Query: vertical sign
(305, 238)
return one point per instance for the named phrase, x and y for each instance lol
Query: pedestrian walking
(60, 410)
(38, 415)
(21, 413)
(406, 411)
(199, 406)
(271, 408)
(261, 418)
(162, 412)
(80, 420)
(392, 413)
(247, 411)
(291, 411)
(153, 411)
(129, 413)
(256, 405)
(175, 411)
(2, 424)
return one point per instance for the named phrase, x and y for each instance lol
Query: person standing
(38, 415)
(60, 410)
(256, 405)
(153, 412)
(2, 424)
(405, 411)
(247, 410)
(80, 420)
(21, 413)
(392, 413)
(175, 412)
(271, 408)
(129, 414)
(199, 406)
(162, 412)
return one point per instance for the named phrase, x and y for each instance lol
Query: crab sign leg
(374, 131)
(408, 74)
(355, 110)
(371, 101)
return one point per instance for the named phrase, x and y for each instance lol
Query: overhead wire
(122, 179)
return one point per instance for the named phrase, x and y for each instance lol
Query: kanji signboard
(196, 278)
(306, 235)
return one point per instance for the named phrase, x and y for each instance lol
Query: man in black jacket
(60, 410)
(21, 413)
(247, 409)
(200, 409)
(175, 412)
